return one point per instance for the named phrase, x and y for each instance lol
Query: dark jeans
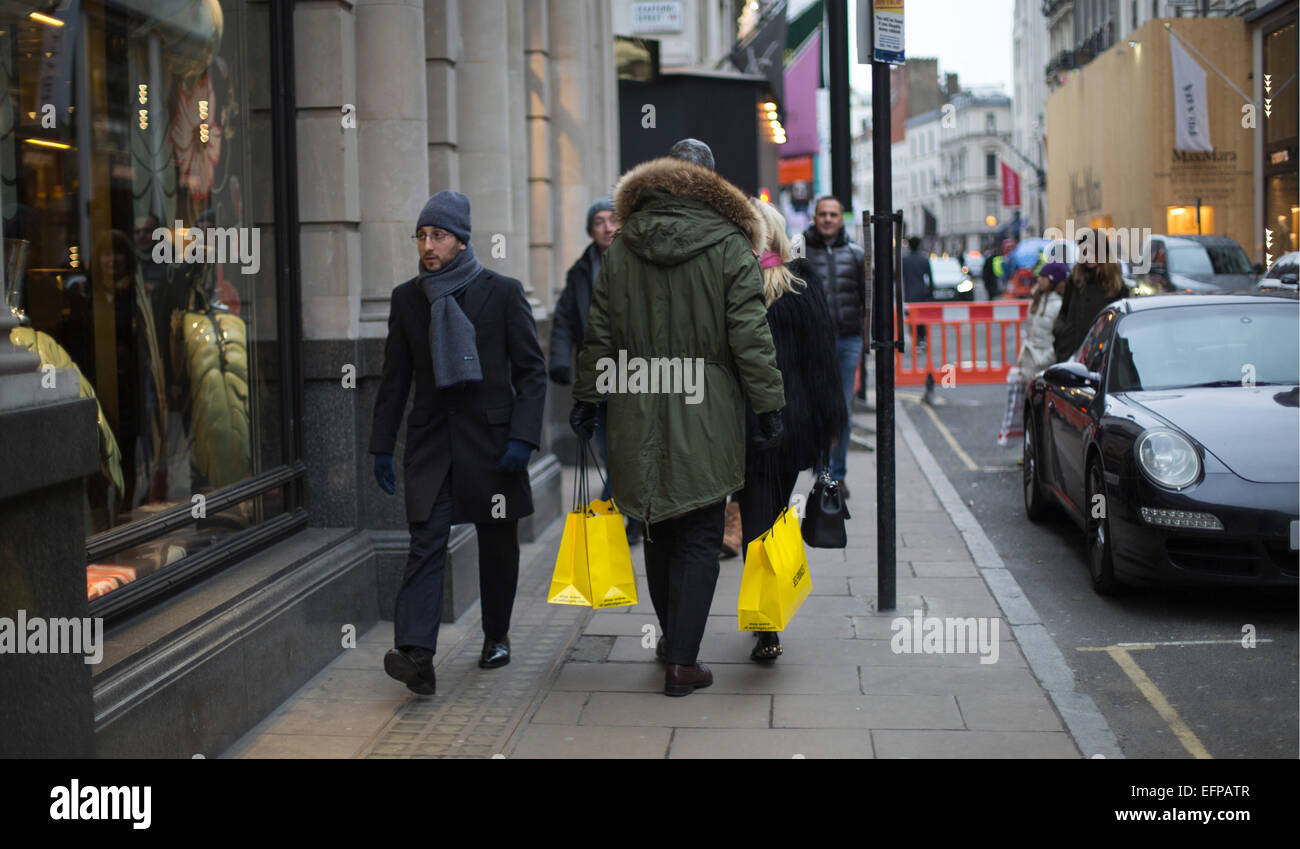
(419, 600)
(681, 567)
(764, 497)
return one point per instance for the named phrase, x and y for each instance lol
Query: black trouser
(419, 600)
(681, 567)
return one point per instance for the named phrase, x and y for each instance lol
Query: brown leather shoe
(683, 680)
(732, 535)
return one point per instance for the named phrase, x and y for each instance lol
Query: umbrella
(1025, 254)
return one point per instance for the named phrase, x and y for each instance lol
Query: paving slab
(701, 709)
(889, 711)
(591, 742)
(973, 744)
(300, 746)
(1008, 711)
(769, 743)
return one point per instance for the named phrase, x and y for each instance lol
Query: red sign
(794, 169)
(1010, 186)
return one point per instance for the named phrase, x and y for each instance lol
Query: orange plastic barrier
(955, 354)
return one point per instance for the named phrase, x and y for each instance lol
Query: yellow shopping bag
(776, 579)
(594, 566)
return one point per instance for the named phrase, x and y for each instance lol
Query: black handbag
(824, 514)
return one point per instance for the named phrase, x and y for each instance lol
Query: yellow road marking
(1147, 687)
(950, 439)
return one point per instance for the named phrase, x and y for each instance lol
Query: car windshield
(1285, 265)
(1188, 259)
(946, 270)
(1228, 259)
(1211, 345)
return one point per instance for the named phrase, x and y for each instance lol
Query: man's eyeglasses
(437, 237)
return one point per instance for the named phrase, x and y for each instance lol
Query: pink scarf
(769, 259)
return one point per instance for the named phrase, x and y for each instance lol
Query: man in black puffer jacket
(842, 266)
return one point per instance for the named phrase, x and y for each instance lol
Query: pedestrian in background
(570, 322)
(1093, 283)
(1037, 351)
(918, 281)
(815, 411)
(681, 281)
(842, 267)
(465, 336)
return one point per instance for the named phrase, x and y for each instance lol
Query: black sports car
(1172, 437)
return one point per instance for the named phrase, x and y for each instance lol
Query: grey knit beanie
(602, 205)
(449, 211)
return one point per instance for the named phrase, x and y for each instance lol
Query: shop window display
(136, 254)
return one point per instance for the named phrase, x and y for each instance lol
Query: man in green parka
(676, 339)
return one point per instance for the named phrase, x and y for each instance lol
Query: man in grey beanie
(570, 322)
(465, 336)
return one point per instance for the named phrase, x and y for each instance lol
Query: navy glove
(770, 430)
(562, 375)
(583, 419)
(384, 473)
(516, 457)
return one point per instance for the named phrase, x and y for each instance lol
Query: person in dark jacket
(918, 280)
(465, 337)
(681, 284)
(1092, 285)
(989, 273)
(815, 411)
(842, 266)
(571, 322)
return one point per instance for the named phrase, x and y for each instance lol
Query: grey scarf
(452, 341)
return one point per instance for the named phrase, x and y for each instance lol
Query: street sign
(888, 29)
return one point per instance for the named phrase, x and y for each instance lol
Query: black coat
(842, 267)
(918, 278)
(814, 413)
(1079, 307)
(463, 431)
(570, 322)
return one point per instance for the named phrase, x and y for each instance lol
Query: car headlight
(965, 286)
(1168, 458)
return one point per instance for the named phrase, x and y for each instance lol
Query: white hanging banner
(1191, 117)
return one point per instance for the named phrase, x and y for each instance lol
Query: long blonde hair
(777, 280)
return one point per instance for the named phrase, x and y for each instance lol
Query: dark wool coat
(463, 431)
(1079, 307)
(814, 412)
(571, 310)
(842, 267)
(680, 281)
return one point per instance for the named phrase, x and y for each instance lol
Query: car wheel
(1101, 563)
(1035, 501)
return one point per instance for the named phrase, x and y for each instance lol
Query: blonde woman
(814, 414)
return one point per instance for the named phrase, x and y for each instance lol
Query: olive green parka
(677, 337)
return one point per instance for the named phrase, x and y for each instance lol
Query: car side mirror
(1289, 279)
(1072, 374)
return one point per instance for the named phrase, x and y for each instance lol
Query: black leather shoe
(495, 653)
(414, 668)
(684, 680)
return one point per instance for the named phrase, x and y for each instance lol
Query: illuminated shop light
(45, 143)
(144, 93)
(45, 19)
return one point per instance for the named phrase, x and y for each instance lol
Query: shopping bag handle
(595, 463)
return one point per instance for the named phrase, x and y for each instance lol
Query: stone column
(483, 123)
(543, 271)
(442, 44)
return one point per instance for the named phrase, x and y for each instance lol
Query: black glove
(770, 430)
(384, 473)
(562, 375)
(583, 419)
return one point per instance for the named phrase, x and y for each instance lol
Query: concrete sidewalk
(585, 684)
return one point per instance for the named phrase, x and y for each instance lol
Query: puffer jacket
(842, 266)
(682, 282)
(1038, 350)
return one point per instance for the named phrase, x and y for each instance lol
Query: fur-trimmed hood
(672, 210)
